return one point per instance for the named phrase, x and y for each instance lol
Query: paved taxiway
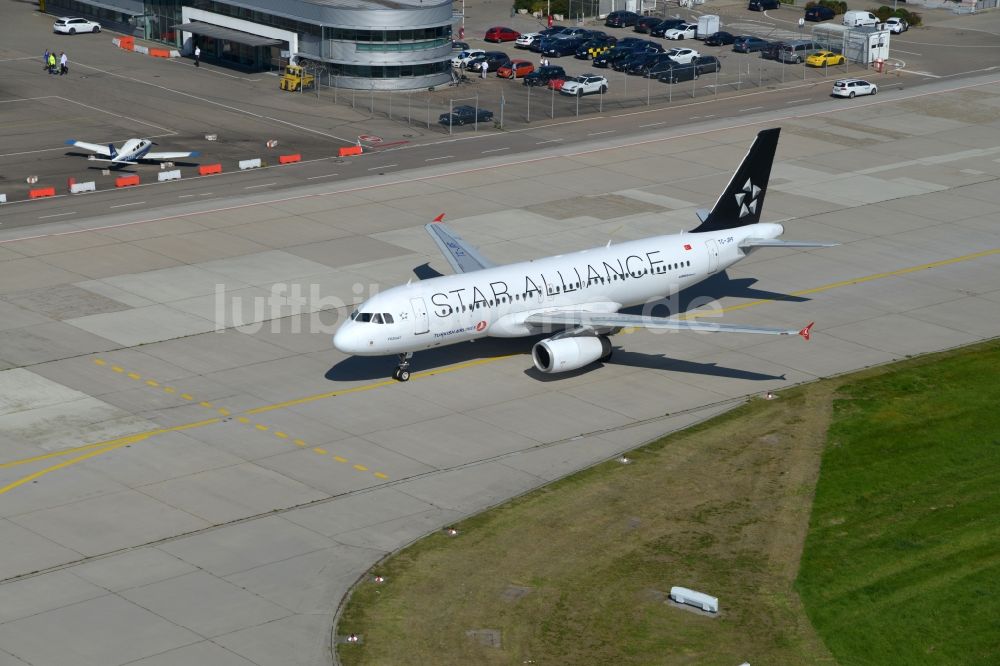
(173, 495)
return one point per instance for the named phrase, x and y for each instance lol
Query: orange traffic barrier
(288, 159)
(71, 182)
(127, 43)
(350, 150)
(209, 169)
(126, 181)
(159, 53)
(42, 192)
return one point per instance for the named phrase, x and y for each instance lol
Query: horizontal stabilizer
(775, 242)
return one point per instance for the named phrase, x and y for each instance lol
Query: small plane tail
(743, 199)
(114, 153)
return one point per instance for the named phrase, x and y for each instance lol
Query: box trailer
(707, 25)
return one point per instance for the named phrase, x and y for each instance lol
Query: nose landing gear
(402, 371)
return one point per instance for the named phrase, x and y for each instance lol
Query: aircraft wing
(92, 147)
(618, 320)
(171, 156)
(463, 257)
(777, 242)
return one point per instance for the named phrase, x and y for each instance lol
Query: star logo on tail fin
(747, 199)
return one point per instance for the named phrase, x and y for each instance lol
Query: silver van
(796, 51)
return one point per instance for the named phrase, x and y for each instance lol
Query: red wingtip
(439, 218)
(805, 331)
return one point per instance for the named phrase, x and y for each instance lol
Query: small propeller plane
(132, 151)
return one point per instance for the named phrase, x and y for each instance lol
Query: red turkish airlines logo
(480, 326)
(686, 246)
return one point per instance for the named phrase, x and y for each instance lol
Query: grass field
(577, 572)
(902, 562)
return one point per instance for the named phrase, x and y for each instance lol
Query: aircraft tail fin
(743, 199)
(114, 153)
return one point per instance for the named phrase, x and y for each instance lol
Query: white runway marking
(185, 196)
(326, 175)
(494, 150)
(387, 166)
(604, 132)
(250, 187)
(45, 217)
(654, 124)
(796, 101)
(433, 159)
(752, 108)
(206, 194)
(549, 141)
(137, 203)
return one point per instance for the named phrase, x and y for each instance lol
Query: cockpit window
(363, 317)
(387, 317)
(377, 318)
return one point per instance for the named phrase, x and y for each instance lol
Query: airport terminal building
(363, 44)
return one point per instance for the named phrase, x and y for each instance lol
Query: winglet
(70, 142)
(439, 218)
(195, 153)
(805, 331)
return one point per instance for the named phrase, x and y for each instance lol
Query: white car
(896, 25)
(683, 31)
(683, 56)
(526, 40)
(587, 84)
(71, 26)
(853, 87)
(465, 57)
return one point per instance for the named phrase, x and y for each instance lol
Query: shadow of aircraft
(713, 288)
(425, 272)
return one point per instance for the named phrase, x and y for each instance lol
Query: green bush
(838, 6)
(885, 12)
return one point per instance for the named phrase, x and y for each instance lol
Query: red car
(516, 69)
(556, 84)
(501, 34)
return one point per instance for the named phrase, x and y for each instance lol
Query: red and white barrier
(250, 164)
(78, 188)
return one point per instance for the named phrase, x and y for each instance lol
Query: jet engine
(565, 354)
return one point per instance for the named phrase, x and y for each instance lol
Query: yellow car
(824, 59)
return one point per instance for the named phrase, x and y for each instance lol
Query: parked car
(683, 56)
(679, 73)
(853, 87)
(586, 84)
(516, 69)
(594, 47)
(463, 58)
(621, 19)
(494, 61)
(555, 84)
(748, 44)
(719, 39)
(70, 26)
(461, 115)
(770, 52)
(762, 5)
(542, 75)
(659, 66)
(640, 65)
(707, 64)
(896, 25)
(853, 19)
(647, 23)
(661, 28)
(796, 51)
(459, 46)
(825, 59)
(526, 40)
(607, 58)
(501, 34)
(819, 13)
(558, 48)
(683, 31)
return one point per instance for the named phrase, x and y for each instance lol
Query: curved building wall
(367, 44)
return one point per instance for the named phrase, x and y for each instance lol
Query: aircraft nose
(345, 340)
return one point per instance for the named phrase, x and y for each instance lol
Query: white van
(855, 19)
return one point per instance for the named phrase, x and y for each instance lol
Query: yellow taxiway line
(88, 451)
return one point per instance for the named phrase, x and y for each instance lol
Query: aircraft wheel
(403, 375)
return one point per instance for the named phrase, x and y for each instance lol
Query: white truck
(708, 24)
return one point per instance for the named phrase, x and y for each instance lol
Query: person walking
(197, 56)
(484, 67)
(52, 63)
(63, 63)
(45, 61)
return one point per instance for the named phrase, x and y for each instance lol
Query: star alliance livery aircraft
(131, 151)
(579, 294)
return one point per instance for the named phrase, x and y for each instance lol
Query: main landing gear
(402, 371)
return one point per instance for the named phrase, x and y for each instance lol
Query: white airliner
(131, 152)
(580, 294)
